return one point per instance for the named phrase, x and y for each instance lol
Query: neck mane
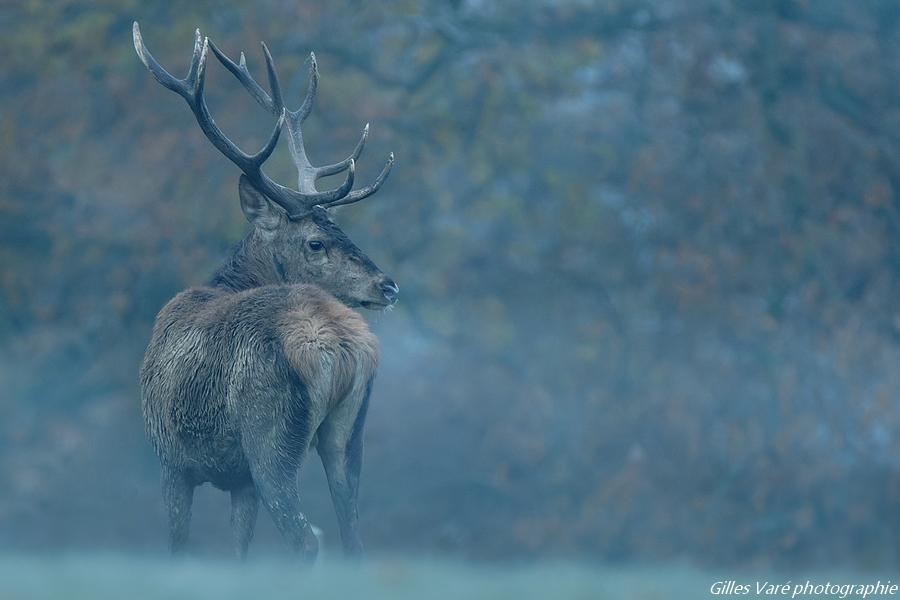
(250, 265)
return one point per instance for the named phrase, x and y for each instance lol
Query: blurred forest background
(649, 254)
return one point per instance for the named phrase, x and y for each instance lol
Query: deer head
(292, 238)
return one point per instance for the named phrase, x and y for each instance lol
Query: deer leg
(178, 495)
(343, 482)
(277, 485)
(244, 507)
(340, 446)
(275, 454)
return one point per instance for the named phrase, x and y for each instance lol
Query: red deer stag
(247, 373)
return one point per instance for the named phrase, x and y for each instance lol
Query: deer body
(244, 376)
(210, 355)
(238, 385)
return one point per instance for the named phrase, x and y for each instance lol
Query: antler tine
(242, 74)
(357, 195)
(337, 167)
(311, 89)
(272, 74)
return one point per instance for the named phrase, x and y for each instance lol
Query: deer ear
(257, 208)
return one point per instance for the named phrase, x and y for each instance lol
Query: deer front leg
(244, 507)
(340, 447)
(178, 496)
(343, 482)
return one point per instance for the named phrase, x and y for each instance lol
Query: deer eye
(315, 245)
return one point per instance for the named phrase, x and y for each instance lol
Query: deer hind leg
(340, 446)
(277, 486)
(275, 451)
(244, 508)
(178, 495)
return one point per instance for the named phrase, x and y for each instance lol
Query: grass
(118, 576)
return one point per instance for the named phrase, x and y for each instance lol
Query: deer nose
(389, 289)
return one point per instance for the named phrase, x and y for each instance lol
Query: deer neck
(251, 264)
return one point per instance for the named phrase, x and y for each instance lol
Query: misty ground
(649, 254)
(111, 576)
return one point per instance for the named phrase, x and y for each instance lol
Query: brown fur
(218, 407)
(328, 344)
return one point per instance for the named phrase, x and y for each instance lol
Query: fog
(648, 330)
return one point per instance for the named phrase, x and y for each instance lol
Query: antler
(295, 202)
(307, 174)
